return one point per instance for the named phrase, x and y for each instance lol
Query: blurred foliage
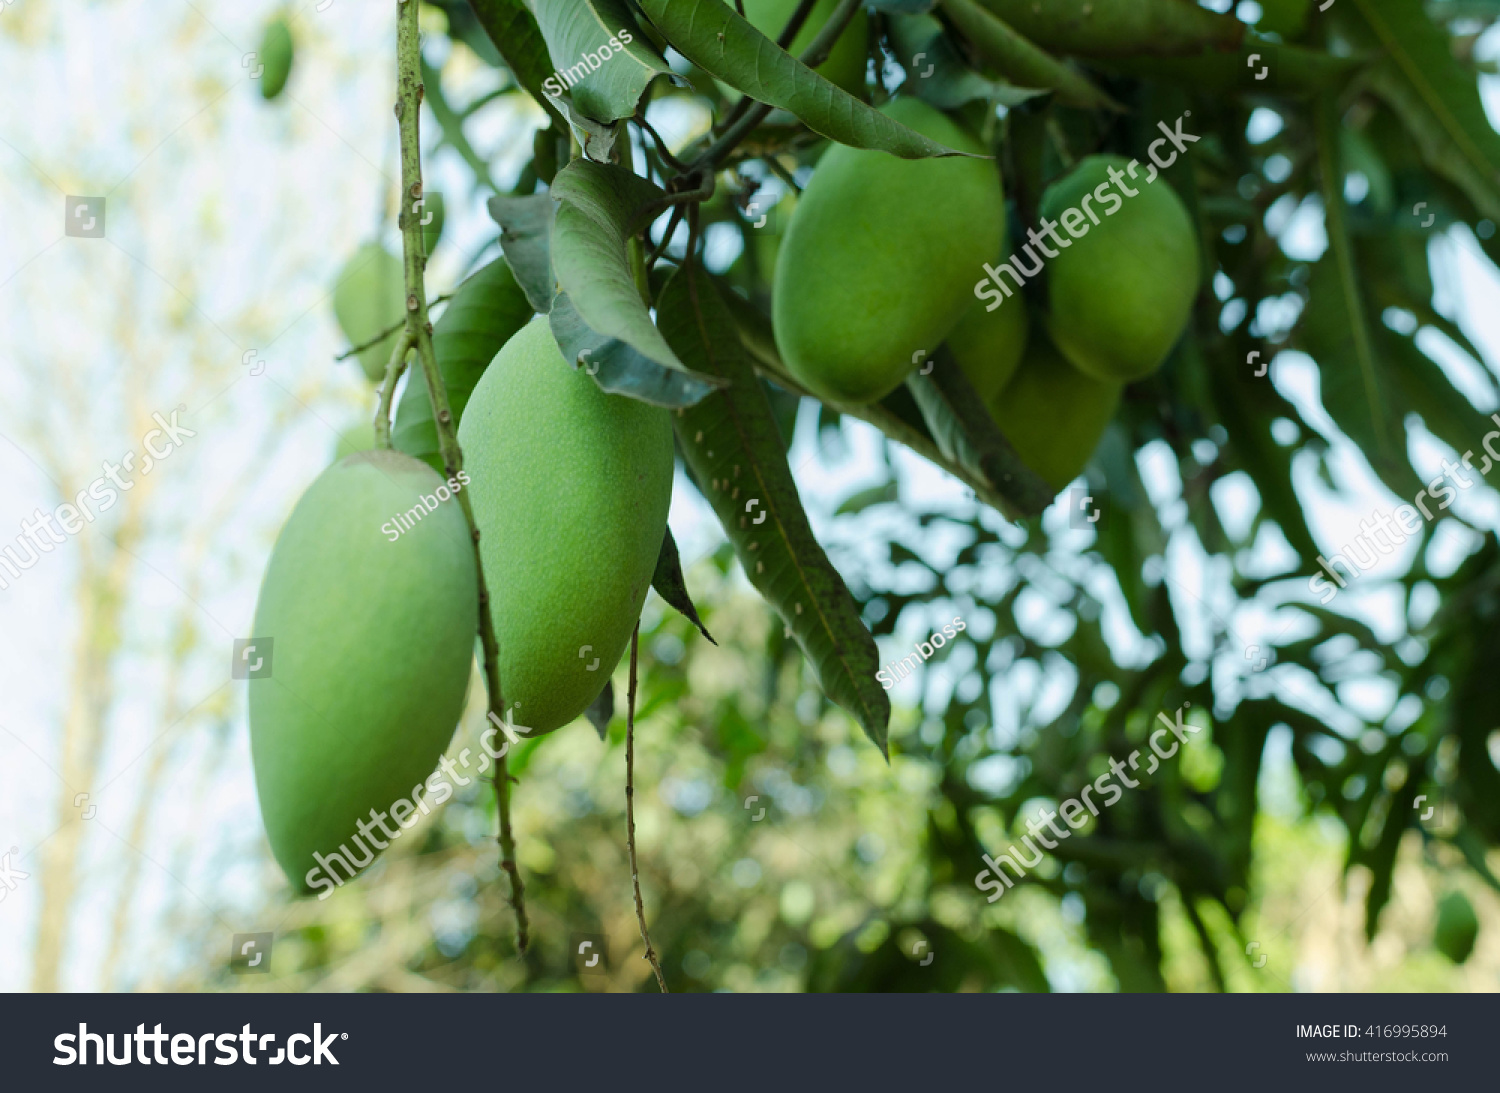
(1077, 638)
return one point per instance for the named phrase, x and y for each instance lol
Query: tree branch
(419, 329)
(635, 875)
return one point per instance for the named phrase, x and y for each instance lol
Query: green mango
(1457, 927)
(880, 258)
(1052, 414)
(369, 297)
(356, 438)
(275, 54)
(845, 65)
(570, 493)
(484, 314)
(988, 345)
(1119, 294)
(373, 645)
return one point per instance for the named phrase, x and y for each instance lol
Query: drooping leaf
(484, 313)
(526, 238)
(600, 207)
(1436, 99)
(713, 36)
(731, 441)
(672, 587)
(465, 26)
(967, 435)
(618, 368)
(1116, 28)
(595, 138)
(602, 710)
(1019, 60)
(513, 29)
(599, 54)
(937, 74)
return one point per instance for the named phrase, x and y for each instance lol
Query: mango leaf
(602, 710)
(672, 587)
(1119, 28)
(619, 369)
(511, 26)
(599, 54)
(526, 238)
(730, 440)
(1336, 332)
(903, 7)
(464, 26)
(600, 207)
(484, 313)
(597, 140)
(1276, 68)
(1435, 97)
(967, 435)
(714, 37)
(1019, 60)
(937, 74)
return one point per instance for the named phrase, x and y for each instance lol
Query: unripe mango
(1120, 295)
(370, 296)
(1457, 927)
(275, 55)
(988, 345)
(1052, 414)
(373, 644)
(880, 258)
(570, 493)
(846, 61)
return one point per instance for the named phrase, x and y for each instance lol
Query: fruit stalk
(393, 370)
(635, 876)
(419, 332)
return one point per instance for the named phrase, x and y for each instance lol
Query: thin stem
(388, 331)
(419, 329)
(815, 54)
(784, 40)
(661, 145)
(393, 370)
(635, 874)
(666, 239)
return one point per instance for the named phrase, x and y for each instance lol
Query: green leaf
(526, 238)
(1018, 59)
(513, 29)
(602, 710)
(937, 74)
(672, 587)
(465, 26)
(1436, 99)
(1120, 28)
(619, 369)
(883, 494)
(484, 313)
(967, 435)
(582, 37)
(713, 36)
(600, 207)
(731, 442)
(1277, 69)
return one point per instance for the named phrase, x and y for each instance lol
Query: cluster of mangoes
(375, 638)
(883, 259)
